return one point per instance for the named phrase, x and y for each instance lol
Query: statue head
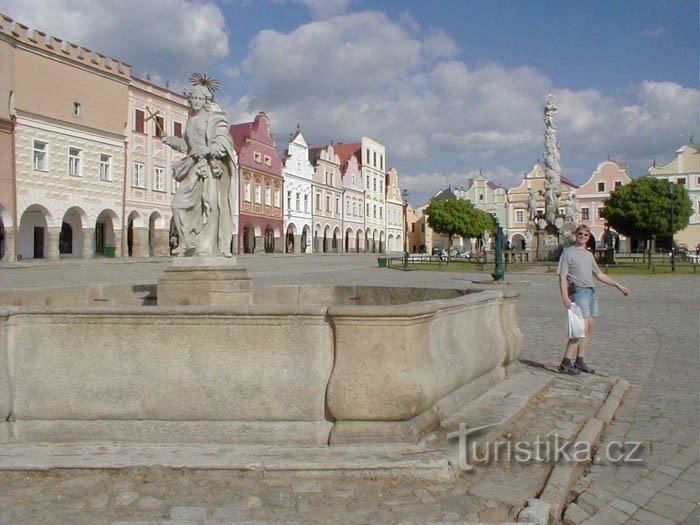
(200, 97)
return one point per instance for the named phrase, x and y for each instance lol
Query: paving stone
(625, 506)
(575, 514)
(188, 513)
(649, 518)
(670, 507)
(613, 514)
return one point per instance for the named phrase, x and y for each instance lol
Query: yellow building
(685, 170)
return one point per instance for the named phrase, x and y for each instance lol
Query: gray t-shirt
(578, 264)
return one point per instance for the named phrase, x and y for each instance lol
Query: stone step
(394, 460)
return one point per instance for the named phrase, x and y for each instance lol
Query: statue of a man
(205, 202)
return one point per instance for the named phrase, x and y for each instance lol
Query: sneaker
(566, 367)
(583, 367)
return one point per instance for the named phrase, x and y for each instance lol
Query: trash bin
(109, 251)
(381, 261)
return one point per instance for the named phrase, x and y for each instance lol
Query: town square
(311, 262)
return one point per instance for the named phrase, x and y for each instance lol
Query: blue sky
(451, 87)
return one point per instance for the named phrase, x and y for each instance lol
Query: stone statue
(552, 167)
(572, 209)
(531, 203)
(206, 200)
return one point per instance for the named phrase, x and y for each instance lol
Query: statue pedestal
(210, 281)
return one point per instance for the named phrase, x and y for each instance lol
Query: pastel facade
(395, 225)
(68, 105)
(517, 209)
(486, 196)
(260, 221)
(354, 200)
(328, 200)
(149, 184)
(591, 197)
(372, 157)
(8, 215)
(298, 172)
(685, 170)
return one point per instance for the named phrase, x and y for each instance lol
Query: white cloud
(168, 38)
(321, 9)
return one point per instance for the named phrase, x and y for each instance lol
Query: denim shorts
(586, 300)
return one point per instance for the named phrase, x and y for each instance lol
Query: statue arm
(176, 143)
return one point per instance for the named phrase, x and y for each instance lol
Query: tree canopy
(643, 208)
(458, 217)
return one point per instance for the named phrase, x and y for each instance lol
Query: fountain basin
(303, 364)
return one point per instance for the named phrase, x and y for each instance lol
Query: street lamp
(404, 195)
(673, 250)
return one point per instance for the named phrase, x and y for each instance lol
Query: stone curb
(564, 474)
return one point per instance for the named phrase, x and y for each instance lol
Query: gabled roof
(569, 182)
(345, 151)
(239, 133)
(445, 194)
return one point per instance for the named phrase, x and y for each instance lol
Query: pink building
(260, 221)
(354, 195)
(592, 195)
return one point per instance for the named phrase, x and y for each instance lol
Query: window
(258, 194)
(381, 162)
(277, 198)
(137, 177)
(618, 183)
(481, 197)
(289, 199)
(681, 181)
(600, 212)
(367, 155)
(268, 160)
(585, 215)
(367, 213)
(318, 201)
(138, 121)
(413, 227)
(246, 191)
(158, 126)
(41, 155)
(105, 167)
(257, 157)
(337, 205)
(375, 211)
(367, 182)
(328, 203)
(268, 196)
(158, 178)
(601, 186)
(374, 183)
(298, 202)
(74, 164)
(76, 109)
(375, 158)
(381, 212)
(306, 203)
(520, 216)
(177, 129)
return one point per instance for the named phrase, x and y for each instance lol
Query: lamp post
(673, 212)
(404, 195)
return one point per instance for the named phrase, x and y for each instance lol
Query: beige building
(373, 155)
(327, 188)
(69, 107)
(486, 196)
(395, 227)
(153, 112)
(685, 170)
(518, 212)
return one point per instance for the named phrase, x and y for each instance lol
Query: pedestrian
(577, 268)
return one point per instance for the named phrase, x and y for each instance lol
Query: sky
(451, 87)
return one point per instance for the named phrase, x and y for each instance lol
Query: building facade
(353, 201)
(68, 106)
(591, 196)
(260, 220)
(518, 205)
(685, 170)
(395, 221)
(372, 162)
(486, 196)
(153, 112)
(298, 173)
(328, 200)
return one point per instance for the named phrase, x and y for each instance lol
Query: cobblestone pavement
(649, 338)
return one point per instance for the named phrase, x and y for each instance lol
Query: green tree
(643, 209)
(457, 217)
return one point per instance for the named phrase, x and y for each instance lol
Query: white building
(153, 111)
(373, 155)
(298, 175)
(486, 196)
